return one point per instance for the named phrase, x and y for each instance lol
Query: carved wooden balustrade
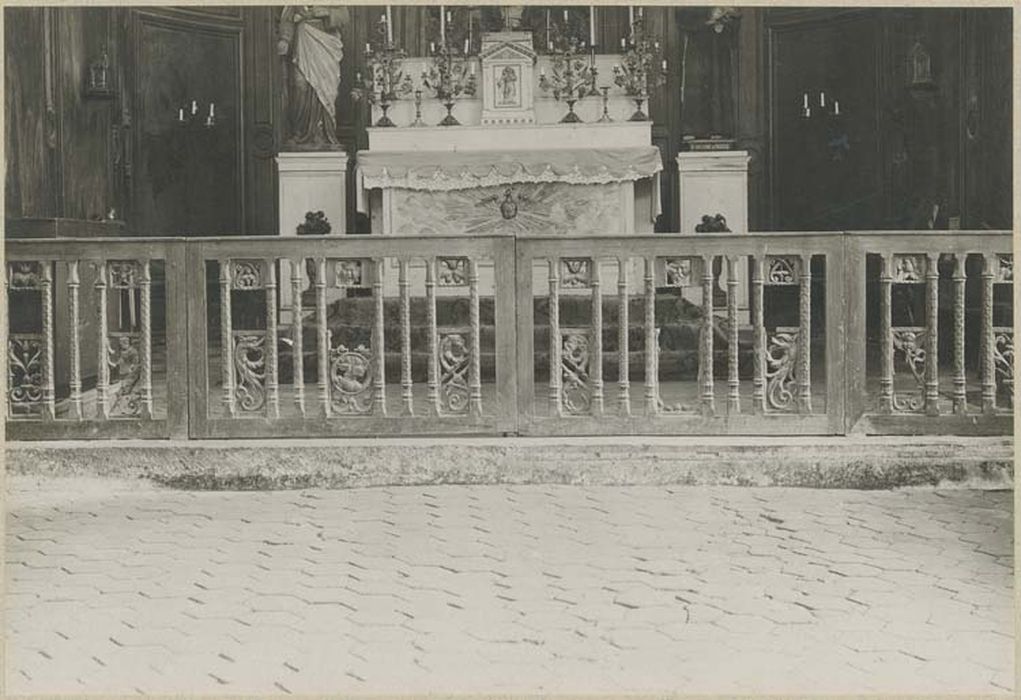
(763, 333)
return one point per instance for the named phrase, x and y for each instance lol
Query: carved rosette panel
(455, 360)
(781, 369)
(1003, 358)
(681, 272)
(351, 380)
(25, 355)
(24, 274)
(909, 269)
(783, 270)
(123, 274)
(250, 370)
(348, 272)
(575, 360)
(452, 272)
(909, 345)
(125, 359)
(1005, 269)
(246, 275)
(575, 273)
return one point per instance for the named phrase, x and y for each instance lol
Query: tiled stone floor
(116, 587)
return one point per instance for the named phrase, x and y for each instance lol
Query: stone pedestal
(310, 181)
(713, 182)
(716, 182)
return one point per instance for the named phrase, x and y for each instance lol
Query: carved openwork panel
(575, 361)
(25, 356)
(24, 274)
(781, 369)
(455, 358)
(351, 380)
(452, 272)
(125, 359)
(1003, 357)
(783, 270)
(250, 370)
(349, 272)
(575, 273)
(681, 272)
(247, 274)
(124, 274)
(1005, 269)
(909, 269)
(909, 350)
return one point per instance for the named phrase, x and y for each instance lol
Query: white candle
(466, 47)
(664, 64)
(473, 67)
(432, 47)
(194, 107)
(180, 114)
(212, 109)
(565, 15)
(368, 47)
(443, 25)
(805, 103)
(592, 25)
(630, 15)
(389, 25)
(547, 30)
(640, 13)
(623, 44)
(836, 108)
(822, 99)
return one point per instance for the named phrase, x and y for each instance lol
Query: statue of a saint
(507, 82)
(309, 42)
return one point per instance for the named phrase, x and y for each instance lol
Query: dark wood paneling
(188, 179)
(261, 115)
(28, 185)
(81, 36)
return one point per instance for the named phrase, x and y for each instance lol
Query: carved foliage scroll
(575, 367)
(575, 273)
(250, 370)
(783, 270)
(781, 368)
(452, 272)
(351, 380)
(455, 361)
(910, 347)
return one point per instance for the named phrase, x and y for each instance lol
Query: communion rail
(893, 332)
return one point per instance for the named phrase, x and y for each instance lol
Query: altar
(510, 165)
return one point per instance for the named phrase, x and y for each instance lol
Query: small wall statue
(309, 41)
(712, 224)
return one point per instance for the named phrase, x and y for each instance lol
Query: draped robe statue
(309, 42)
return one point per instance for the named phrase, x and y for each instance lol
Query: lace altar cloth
(443, 171)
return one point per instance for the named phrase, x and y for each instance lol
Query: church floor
(122, 587)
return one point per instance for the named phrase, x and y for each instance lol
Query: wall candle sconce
(190, 114)
(826, 107)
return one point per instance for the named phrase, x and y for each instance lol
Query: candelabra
(573, 76)
(832, 108)
(451, 75)
(386, 82)
(190, 115)
(636, 72)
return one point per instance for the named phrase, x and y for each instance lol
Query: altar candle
(630, 15)
(640, 13)
(664, 64)
(212, 109)
(822, 99)
(547, 30)
(836, 108)
(194, 107)
(565, 15)
(368, 47)
(592, 25)
(805, 103)
(443, 26)
(389, 26)
(180, 114)
(465, 47)
(473, 67)
(623, 44)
